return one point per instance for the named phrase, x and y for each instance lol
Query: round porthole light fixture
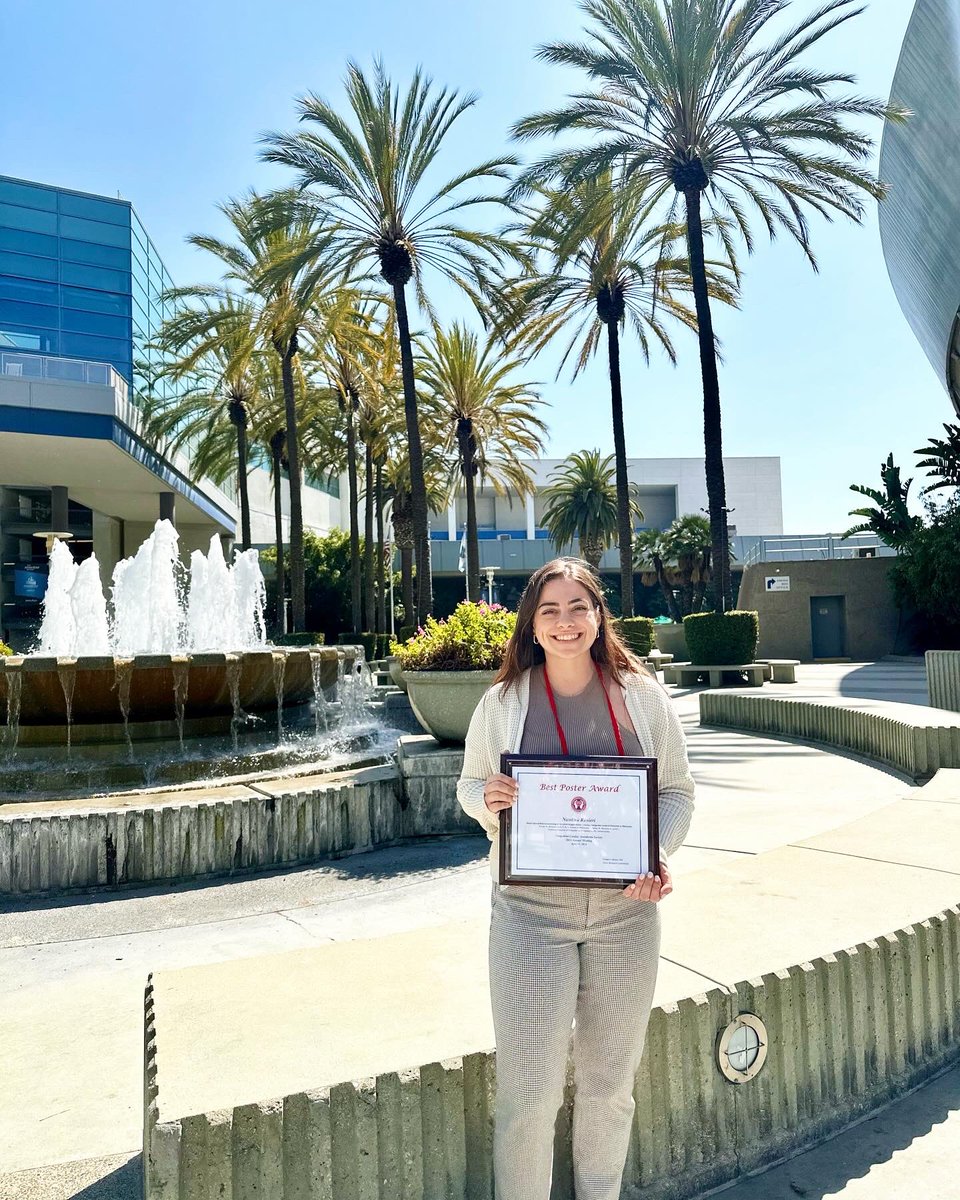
(742, 1048)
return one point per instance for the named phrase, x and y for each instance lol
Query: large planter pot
(396, 672)
(443, 701)
(670, 639)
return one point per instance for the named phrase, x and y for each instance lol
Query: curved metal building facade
(920, 161)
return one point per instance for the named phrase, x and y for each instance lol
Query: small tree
(582, 504)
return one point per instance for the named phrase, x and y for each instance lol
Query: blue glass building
(79, 278)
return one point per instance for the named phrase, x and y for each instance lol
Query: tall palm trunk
(403, 535)
(382, 624)
(418, 490)
(624, 523)
(276, 450)
(369, 599)
(288, 353)
(354, 502)
(712, 432)
(467, 449)
(240, 424)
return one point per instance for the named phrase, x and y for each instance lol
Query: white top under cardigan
(497, 728)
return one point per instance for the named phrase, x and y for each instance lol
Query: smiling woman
(569, 685)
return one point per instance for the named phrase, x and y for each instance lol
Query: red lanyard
(606, 696)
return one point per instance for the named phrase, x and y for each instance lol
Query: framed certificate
(579, 822)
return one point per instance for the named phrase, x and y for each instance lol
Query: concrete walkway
(72, 973)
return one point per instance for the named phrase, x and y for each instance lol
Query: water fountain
(177, 664)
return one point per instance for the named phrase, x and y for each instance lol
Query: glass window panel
(28, 243)
(32, 291)
(114, 213)
(85, 345)
(95, 277)
(102, 302)
(28, 267)
(29, 314)
(96, 256)
(30, 219)
(27, 195)
(88, 322)
(95, 231)
(41, 340)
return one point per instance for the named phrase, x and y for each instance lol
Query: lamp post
(490, 571)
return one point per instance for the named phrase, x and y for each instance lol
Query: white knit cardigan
(497, 728)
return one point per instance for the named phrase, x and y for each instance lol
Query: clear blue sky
(163, 103)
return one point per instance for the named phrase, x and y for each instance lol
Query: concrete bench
(689, 674)
(670, 671)
(780, 670)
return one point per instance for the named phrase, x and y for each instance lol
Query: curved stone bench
(909, 737)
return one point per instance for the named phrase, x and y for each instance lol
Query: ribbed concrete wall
(846, 1032)
(943, 678)
(916, 748)
(355, 811)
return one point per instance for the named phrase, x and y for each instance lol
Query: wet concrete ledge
(57, 847)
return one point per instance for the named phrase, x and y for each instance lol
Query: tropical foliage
(888, 517)
(678, 560)
(485, 417)
(371, 174)
(582, 504)
(711, 111)
(604, 267)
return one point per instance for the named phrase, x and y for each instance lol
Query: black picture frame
(644, 766)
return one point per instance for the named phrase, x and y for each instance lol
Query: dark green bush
(727, 638)
(637, 632)
(367, 640)
(406, 632)
(298, 639)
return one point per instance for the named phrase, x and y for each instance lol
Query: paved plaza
(793, 852)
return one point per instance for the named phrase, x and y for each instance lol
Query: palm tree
(607, 264)
(582, 504)
(649, 551)
(942, 461)
(371, 176)
(282, 261)
(211, 348)
(488, 418)
(889, 518)
(703, 113)
(346, 342)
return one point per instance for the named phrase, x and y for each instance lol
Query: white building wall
(753, 487)
(321, 512)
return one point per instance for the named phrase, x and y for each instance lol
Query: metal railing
(20, 365)
(809, 547)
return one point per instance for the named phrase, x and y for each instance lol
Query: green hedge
(406, 632)
(298, 639)
(637, 632)
(715, 638)
(367, 640)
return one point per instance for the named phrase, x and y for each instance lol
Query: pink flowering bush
(472, 638)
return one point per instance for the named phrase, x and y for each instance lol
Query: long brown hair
(608, 651)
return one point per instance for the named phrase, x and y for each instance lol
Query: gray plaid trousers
(559, 956)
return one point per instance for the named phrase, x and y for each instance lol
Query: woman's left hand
(651, 887)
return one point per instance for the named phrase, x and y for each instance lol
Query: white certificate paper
(585, 824)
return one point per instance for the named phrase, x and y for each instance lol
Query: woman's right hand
(499, 792)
